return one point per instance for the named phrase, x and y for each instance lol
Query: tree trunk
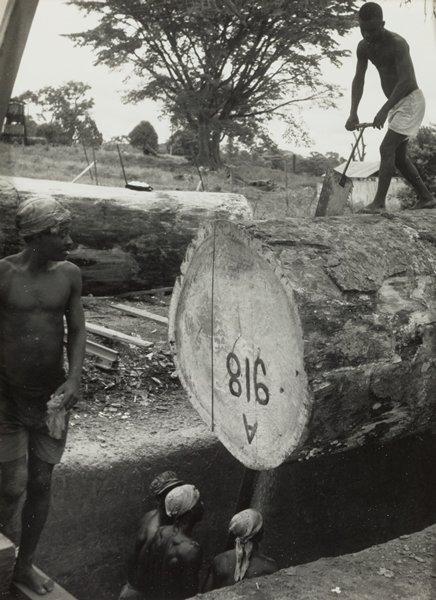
(215, 156)
(301, 338)
(126, 240)
(203, 156)
(208, 146)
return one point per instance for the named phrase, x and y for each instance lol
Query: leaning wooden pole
(299, 338)
(126, 240)
(16, 18)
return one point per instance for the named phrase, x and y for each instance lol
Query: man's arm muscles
(357, 87)
(76, 335)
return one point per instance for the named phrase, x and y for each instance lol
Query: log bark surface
(364, 290)
(126, 240)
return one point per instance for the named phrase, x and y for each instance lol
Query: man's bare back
(148, 526)
(171, 564)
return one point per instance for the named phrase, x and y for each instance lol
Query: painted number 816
(234, 369)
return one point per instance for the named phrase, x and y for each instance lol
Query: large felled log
(299, 338)
(126, 239)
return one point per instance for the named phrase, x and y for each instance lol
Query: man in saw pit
(404, 108)
(245, 560)
(38, 287)
(148, 526)
(169, 566)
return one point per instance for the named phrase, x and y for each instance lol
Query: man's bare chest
(46, 292)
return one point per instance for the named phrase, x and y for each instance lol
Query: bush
(183, 142)
(422, 151)
(53, 133)
(145, 137)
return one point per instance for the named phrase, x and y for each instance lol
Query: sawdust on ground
(141, 395)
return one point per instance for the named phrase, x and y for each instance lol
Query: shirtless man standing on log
(404, 108)
(148, 526)
(37, 288)
(244, 561)
(170, 564)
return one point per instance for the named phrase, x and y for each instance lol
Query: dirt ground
(143, 392)
(402, 569)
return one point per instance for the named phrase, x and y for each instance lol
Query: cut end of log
(238, 345)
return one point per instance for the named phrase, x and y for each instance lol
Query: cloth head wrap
(181, 499)
(164, 482)
(244, 526)
(39, 214)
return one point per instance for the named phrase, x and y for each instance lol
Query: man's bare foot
(29, 576)
(372, 209)
(424, 204)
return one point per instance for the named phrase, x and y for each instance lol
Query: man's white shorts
(407, 114)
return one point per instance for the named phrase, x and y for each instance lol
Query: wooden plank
(22, 592)
(7, 562)
(140, 312)
(83, 172)
(117, 335)
(105, 357)
(160, 291)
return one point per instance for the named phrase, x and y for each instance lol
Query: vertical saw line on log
(211, 329)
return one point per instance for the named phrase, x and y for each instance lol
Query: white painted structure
(364, 178)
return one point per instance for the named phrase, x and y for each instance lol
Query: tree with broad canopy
(221, 67)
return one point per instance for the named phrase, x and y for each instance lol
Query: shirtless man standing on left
(38, 287)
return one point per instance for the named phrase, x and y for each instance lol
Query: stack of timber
(126, 240)
(299, 338)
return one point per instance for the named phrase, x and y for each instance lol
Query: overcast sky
(50, 59)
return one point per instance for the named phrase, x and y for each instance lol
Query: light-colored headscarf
(39, 213)
(244, 526)
(181, 499)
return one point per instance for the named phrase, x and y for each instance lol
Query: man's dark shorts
(23, 430)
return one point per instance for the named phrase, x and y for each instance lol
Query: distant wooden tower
(14, 127)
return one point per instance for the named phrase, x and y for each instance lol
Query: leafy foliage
(53, 133)
(65, 113)
(145, 137)
(221, 67)
(422, 151)
(183, 142)
(317, 163)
